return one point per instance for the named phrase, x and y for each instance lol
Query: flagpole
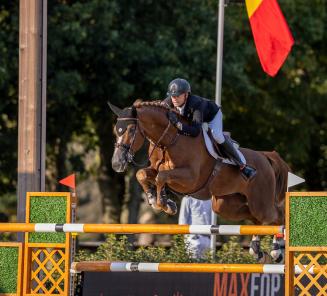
(69, 181)
(220, 43)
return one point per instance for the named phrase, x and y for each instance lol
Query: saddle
(214, 149)
(218, 153)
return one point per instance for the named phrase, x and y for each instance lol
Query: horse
(184, 165)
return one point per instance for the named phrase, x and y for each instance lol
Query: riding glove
(173, 118)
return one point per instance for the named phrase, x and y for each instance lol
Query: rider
(198, 110)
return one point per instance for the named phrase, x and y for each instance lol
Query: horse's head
(129, 138)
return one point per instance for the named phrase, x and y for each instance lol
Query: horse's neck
(155, 133)
(153, 125)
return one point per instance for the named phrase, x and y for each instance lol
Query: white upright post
(220, 43)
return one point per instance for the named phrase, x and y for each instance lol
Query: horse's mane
(156, 104)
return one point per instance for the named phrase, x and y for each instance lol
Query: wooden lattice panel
(307, 283)
(48, 271)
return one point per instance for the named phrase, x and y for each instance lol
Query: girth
(203, 192)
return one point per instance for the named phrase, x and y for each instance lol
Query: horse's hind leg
(261, 256)
(255, 250)
(276, 252)
(232, 207)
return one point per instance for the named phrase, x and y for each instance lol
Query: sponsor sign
(182, 284)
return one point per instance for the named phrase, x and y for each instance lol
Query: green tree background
(124, 50)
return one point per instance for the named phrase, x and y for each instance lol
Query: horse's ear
(137, 103)
(134, 113)
(114, 109)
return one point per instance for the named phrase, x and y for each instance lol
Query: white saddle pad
(211, 149)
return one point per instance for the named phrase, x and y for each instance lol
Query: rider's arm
(194, 128)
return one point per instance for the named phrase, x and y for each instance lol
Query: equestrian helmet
(177, 87)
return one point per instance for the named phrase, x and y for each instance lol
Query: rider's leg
(247, 171)
(216, 126)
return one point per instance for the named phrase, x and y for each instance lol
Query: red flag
(272, 36)
(68, 181)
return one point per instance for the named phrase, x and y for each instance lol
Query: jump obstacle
(51, 244)
(105, 266)
(142, 228)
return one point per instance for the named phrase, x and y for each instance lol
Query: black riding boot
(247, 171)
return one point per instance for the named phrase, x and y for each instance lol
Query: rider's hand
(172, 116)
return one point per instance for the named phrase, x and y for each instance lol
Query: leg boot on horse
(164, 203)
(276, 252)
(146, 178)
(151, 197)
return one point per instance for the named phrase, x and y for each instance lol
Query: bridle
(128, 147)
(156, 144)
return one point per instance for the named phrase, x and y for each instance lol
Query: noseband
(128, 147)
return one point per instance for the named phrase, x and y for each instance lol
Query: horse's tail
(281, 170)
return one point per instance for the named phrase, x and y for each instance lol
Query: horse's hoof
(155, 206)
(171, 207)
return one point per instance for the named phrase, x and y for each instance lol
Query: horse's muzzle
(119, 161)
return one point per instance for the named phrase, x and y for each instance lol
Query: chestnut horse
(183, 164)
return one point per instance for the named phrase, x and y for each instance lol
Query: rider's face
(180, 100)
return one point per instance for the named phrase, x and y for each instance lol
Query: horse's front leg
(178, 176)
(146, 178)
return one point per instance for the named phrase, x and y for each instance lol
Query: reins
(128, 148)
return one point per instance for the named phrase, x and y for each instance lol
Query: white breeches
(216, 126)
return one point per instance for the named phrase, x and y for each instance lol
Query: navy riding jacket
(197, 110)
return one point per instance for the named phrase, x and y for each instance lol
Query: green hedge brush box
(48, 209)
(8, 269)
(308, 221)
